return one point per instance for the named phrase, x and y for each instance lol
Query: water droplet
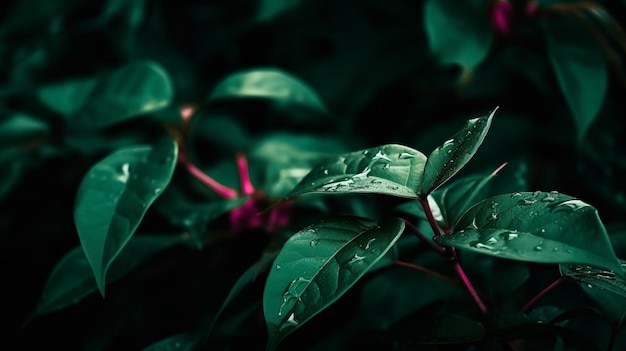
(492, 241)
(292, 319)
(376, 181)
(449, 151)
(314, 242)
(356, 258)
(554, 192)
(448, 143)
(362, 175)
(542, 231)
(124, 172)
(479, 245)
(369, 242)
(494, 205)
(278, 267)
(492, 217)
(157, 190)
(365, 152)
(386, 166)
(570, 206)
(326, 171)
(508, 236)
(548, 198)
(516, 194)
(405, 155)
(589, 286)
(381, 156)
(555, 249)
(528, 201)
(538, 248)
(293, 293)
(473, 224)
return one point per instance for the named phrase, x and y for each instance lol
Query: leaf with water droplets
(318, 265)
(72, 279)
(446, 160)
(114, 196)
(603, 286)
(268, 83)
(454, 199)
(132, 90)
(544, 227)
(389, 169)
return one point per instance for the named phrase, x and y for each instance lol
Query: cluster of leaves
(300, 241)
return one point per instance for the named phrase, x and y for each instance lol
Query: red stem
(221, 190)
(438, 249)
(244, 174)
(467, 283)
(542, 293)
(429, 215)
(425, 270)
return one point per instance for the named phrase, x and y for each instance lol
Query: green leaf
(457, 31)
(535, 227)
(603, 286)
(446, 160)
(67, 98)
(451, 329)
(389, 169)
(246, 278)
(267, 83)
(178, 342)
(72, 280)
(20, 128)
(113, 197)
(268, 9)
(580, 68)
(319, 264)
(133, 90)
(455, 199)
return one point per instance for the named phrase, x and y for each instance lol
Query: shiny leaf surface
(318, 265)
(113, 197)
(545, 227)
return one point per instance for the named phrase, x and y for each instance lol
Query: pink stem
(425, 270)
(244, 174)
(542, 293)
(468, 284)
(429, 215)
(221, 190)
(438, 249)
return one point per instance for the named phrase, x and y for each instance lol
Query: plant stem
(438, 249)
(425, 270)
(244, 174)
(221, 190)
(467, 283)
(542, 293)
(429, 215)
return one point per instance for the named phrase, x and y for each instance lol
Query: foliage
(316, 175)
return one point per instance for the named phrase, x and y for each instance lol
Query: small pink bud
(501, 16)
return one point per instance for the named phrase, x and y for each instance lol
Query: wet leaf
(603, 286)
(454, 199)
(446, 160)
(113, 197)
(580, 68)
(535, 227)
(132, 90)
(267, 83)
(457, 31)
(318, 265)
(389, 169)
(178, 342)
(72, 279)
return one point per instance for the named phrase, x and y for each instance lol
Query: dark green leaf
(318, 265)
(389, 169)
(268, 9)
(72, 279)
(67, 98)
(446, 160)
(580, 68)
(20, 128)
(130, 91)
(267, 83)
(535, 227)
(245, 279)
(178, 342)
(453, 200)
(457, 31)
(114, 196)
(603, 286)
(451, 329)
